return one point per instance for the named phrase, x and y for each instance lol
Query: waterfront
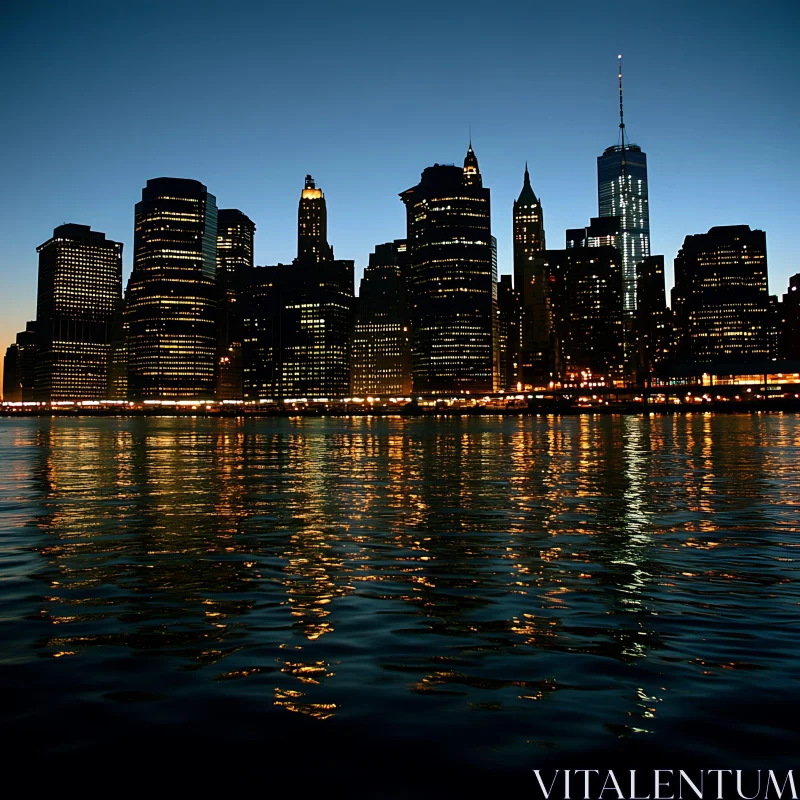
(476, 596)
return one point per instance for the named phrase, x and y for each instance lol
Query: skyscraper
(586, 309)
(80, 285)
(172, 292)
(508, 316)
(380, 355)
(652, 323)
(235, 248)
(452, 291)
(297, 318)
(533, 354)
(720, 300)
(19, 367)
(622, 192)
(312, 228)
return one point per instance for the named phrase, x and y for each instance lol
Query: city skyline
(704, 169)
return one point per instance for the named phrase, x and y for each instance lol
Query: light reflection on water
(529, 587)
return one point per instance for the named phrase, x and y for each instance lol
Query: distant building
(312, 228)
(790, 322)
(296, 330)
(451, 284)
(508, 315)
(235, 251)
(587, 313)
(12, 390)
(380, 356)
(80, 285)
(652, 318)
(297, 318)
(19, 367)
(171, 302)
(720, 301)
(532, 329)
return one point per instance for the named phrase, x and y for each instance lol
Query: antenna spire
(621, 116)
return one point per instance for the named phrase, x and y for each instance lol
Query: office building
(80, 285)
(622, 192)
(235, 249)
(172, 294)
(586, 311)
(720, 302)
(508, 316)
(652, 318)
(297, 318)
(312, 228)
(451, 284)
(19, 367)
(380, 355)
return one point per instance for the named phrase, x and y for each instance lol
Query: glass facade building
(172, 294)
(380, 355)
(622, 192)
(720, 301)
(79, 288)
(452, 289)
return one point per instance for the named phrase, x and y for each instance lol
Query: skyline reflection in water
(498, 593)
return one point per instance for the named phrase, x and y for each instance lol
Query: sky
(248, 97)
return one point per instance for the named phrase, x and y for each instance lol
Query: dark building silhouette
(312, 228)
(652, 318)
(12, 389)
(720, 302)
(118, 359)
(297, 318)
(380, 355)
(296, 330)
(235, 250)
(172, 294)
(532, 354)
(790, 321)
(622, 191)
(19, 367)
(451, 284)
(80, 285)
(587, 313)
(508, 315)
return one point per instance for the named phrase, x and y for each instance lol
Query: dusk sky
(248, 97)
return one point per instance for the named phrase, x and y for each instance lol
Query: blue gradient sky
(249, 96)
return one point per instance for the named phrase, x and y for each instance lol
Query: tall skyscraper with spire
(451, 287)
(534, 351)
(622, 192)
(312, 225)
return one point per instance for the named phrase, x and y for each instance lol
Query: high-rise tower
(452, 291)
(235, 234)
(528, 227)
(80, 286)
(312, 225)
(622, 192)
(171, 299)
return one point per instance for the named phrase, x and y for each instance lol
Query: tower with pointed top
(312, 225)
(452, 290)
(534, 354)
(622, 192)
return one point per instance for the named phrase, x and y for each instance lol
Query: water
(400, 600)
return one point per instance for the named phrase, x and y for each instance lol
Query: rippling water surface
(478, 596)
